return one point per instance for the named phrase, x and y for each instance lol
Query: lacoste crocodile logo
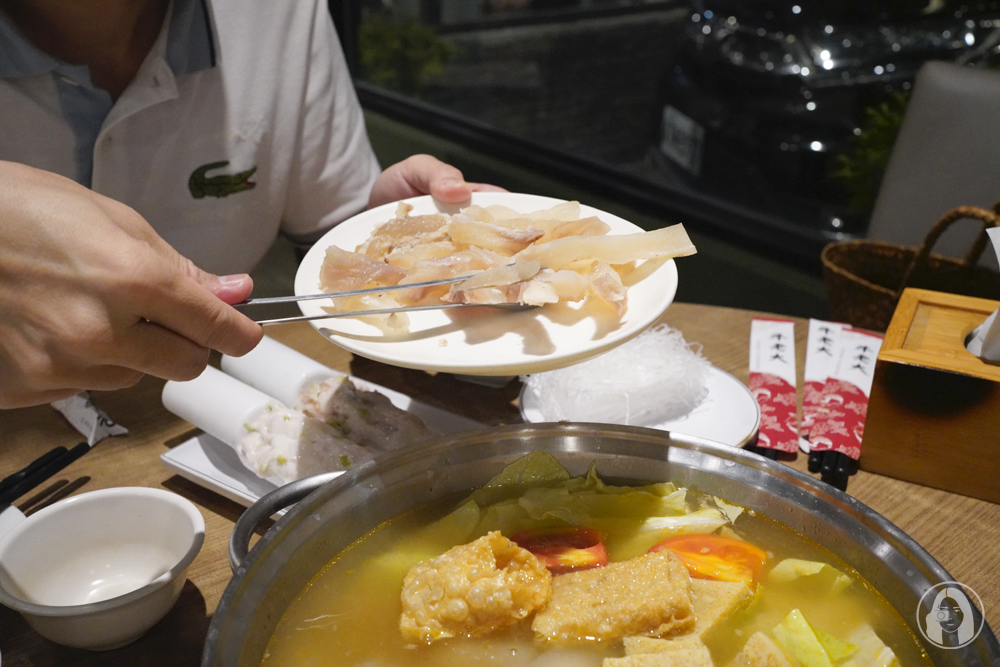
(221, 185)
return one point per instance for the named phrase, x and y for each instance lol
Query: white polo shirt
(242, 122)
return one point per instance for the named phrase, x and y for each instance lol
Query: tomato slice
(717, 557)
(564, 550)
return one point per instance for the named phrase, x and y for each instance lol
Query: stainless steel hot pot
(334, 511)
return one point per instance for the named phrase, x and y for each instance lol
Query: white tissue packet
(985, 339)
(653, 378)
(87, 418)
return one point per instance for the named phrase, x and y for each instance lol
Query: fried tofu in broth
(607, 604)
(472, 590)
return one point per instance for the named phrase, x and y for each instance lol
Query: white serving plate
(728, 414)
(488, 341)
(211, 463)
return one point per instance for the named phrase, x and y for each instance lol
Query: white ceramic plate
(728, 414)
(211, 463)
(488, 341)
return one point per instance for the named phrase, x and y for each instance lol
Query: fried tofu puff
(607, 603)
(472, 590)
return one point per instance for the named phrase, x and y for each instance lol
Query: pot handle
(267, 506)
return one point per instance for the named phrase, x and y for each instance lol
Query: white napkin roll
(985, 339)
(216, 403)
(277, 370)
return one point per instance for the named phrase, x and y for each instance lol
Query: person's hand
(92, 298)
(424, 175)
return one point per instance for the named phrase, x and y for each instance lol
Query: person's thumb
(229, 289)
(427, 174)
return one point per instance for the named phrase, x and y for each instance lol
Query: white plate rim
(532, 414)
(486, 359)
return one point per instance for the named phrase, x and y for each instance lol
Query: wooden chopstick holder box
(934, 409)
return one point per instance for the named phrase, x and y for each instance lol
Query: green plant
(862, 169)
(399, 53)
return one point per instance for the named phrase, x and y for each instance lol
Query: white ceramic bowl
(99, 569)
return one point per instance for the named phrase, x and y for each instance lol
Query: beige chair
(947, 154)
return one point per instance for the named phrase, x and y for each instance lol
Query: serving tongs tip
(377, 311)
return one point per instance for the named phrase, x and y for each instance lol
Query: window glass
(776, 116)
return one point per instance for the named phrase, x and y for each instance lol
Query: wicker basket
(864, 279)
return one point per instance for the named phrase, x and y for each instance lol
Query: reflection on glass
(784, 111)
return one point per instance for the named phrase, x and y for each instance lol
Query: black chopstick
(43, 495)
(63, 490)
(42, 473)
(835, 467)
(815, 460)
(766, 452)
(42, 460)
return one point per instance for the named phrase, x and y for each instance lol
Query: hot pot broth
(349, 614)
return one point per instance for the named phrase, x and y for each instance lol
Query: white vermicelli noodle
(655, 377)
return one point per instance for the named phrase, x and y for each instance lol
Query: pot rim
(828, 495)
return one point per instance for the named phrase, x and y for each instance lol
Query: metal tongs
(376, 311)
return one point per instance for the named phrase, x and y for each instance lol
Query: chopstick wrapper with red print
(773, 381)
(845, 395)
(821, 358)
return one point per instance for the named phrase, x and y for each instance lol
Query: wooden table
(960, 532)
